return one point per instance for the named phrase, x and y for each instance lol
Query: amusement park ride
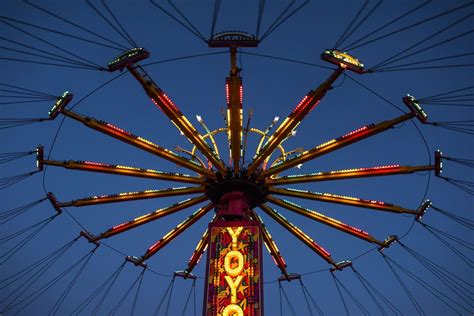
(235, 190)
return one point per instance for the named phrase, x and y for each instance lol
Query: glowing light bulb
(199, 118)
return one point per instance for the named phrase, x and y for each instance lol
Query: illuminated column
(234, 284)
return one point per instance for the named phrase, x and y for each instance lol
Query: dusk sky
(276, 75)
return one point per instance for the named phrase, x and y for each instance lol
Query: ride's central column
(234, 284)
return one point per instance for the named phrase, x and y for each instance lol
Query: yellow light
(126, 167)
(234, 235)
(329, 142)
(233, 284)
(167, 235)
(141, 217)
(268, 248)
(240, 263)
(128, 193)
(341, 196)
(147, 141)
(230, 265)
(233, 310)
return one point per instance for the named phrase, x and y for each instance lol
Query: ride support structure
(234, 260)
(234, 254)
(236, 189)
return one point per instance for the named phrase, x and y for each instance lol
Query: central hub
(253, 191)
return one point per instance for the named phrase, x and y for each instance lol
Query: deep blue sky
(271, 87)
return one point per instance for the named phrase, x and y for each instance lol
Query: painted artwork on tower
(234, 276)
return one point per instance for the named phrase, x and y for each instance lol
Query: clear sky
(272, 87)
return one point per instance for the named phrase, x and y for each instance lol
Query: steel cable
(409, 26)
(397, 19)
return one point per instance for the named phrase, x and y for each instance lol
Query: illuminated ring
(253, 130)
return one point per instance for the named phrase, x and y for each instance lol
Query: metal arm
(331, 222)
(117, 229)
(165, 104)
(271, 245)
(132, 196)
(176, 231)
(339, 199)
(334, 144)
(295, 118)
(138, 142)
(308, 241)
(123, 170)
(349, 174)
(197, 254)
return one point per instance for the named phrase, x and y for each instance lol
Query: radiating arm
(334, 144)
(122, 170)
(164, 103)
(271, 245)
(200, 249)
(132, 196)
(176, 231)
(339, 199)
(117, 229)
(349, 174)
(308, 241)
(295, 118)
(138, 142)
(331, 222)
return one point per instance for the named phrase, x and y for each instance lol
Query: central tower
(234, 263)
(234, 284)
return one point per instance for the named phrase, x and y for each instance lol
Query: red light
(302, 102)
(377, 202)
(381, 167)
(241, 91)
(314, 105)
(227, 91)
(192, 257)
(355, 131)
(360, 231)
(96, 164)
(324, 251)
(117, 227)
(199, 259)
(118, 129)
(154, 246)
(156, 103)
(387, 167)
(169, 103)
(274, 260)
